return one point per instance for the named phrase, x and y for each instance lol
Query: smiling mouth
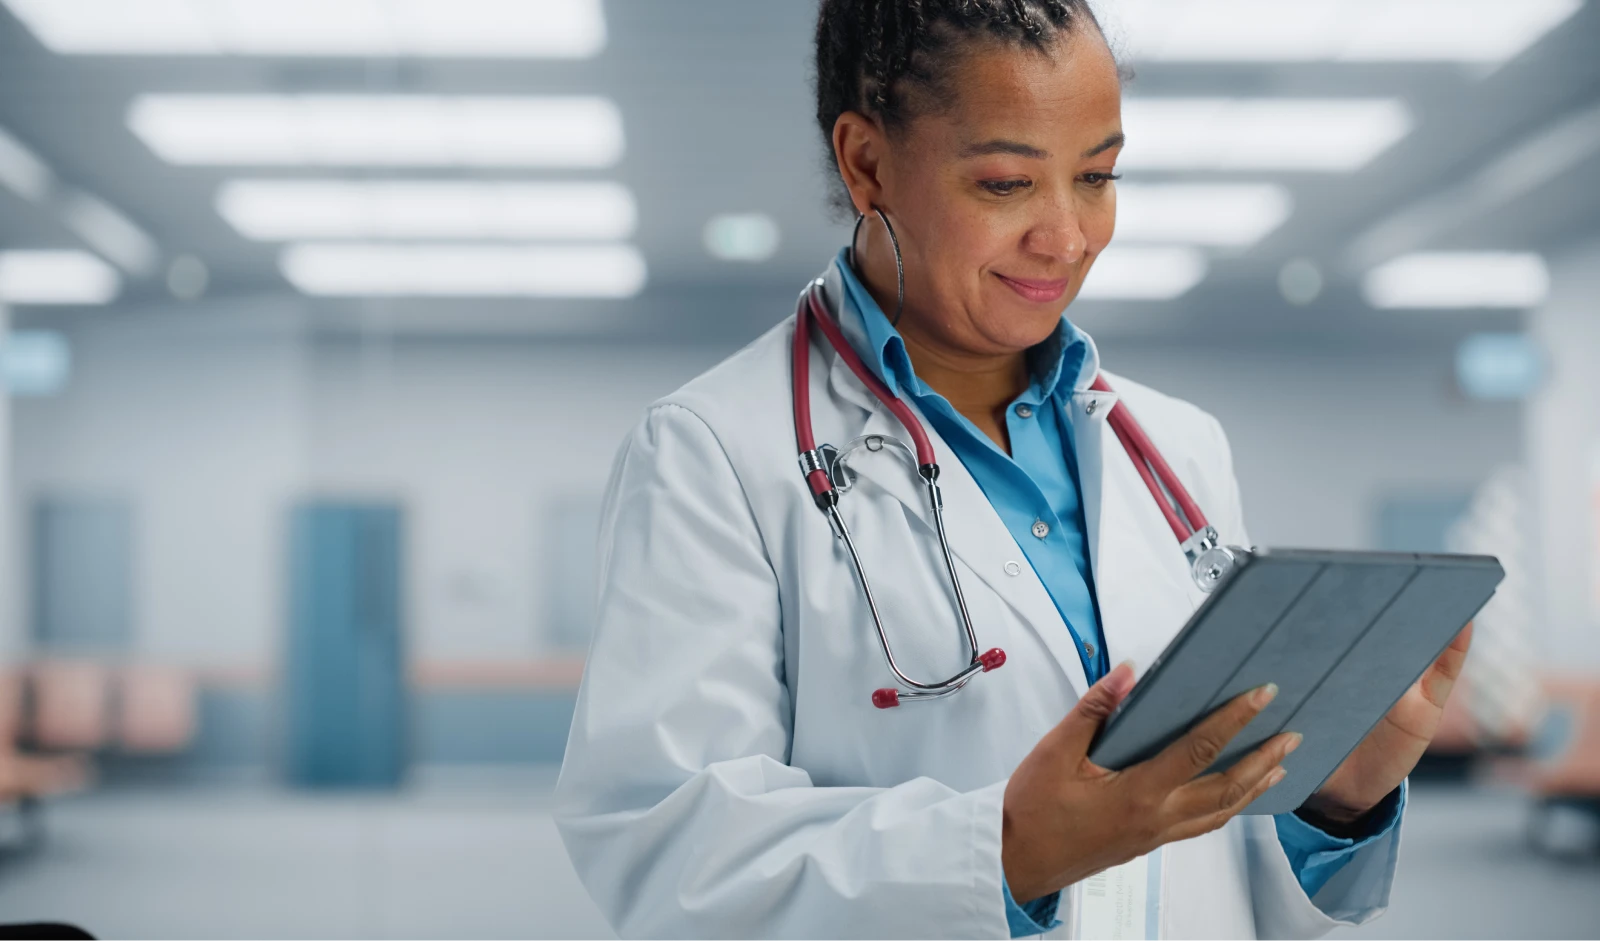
(1037, 290)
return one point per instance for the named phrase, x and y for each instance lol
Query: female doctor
(732, 769)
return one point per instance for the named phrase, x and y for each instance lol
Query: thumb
(1073, 734)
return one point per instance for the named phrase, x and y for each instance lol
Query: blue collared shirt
(1035, 492)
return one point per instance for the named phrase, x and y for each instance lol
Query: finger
(1205, 823)
(1196, 751)
(1219, 791)
(1072, 735)
(1440, 677)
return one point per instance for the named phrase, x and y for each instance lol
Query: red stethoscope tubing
(1146, 459)
(1157, 474)
(1153, 469)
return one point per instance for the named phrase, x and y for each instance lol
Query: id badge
(1122, 903)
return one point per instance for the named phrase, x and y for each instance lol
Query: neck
(972, 384)
(979, 386)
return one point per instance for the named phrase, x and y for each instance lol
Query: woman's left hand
(1393, 748)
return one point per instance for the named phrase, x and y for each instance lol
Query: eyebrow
(1019, 149)
(1115, 140)
(1015, 148)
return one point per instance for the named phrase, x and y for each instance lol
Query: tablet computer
(1343, 634)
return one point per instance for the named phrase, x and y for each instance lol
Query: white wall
(1564, 448)
(215, 432)
(213, 435)
(200, 429)
(11, 628)
(477, 439)
(1319, 438)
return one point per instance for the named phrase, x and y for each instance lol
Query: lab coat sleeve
(676, 802)
(1359, 892)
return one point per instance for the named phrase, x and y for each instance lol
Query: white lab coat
(727, 774)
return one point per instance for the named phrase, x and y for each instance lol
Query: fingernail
(1295, 738)
(1266, 694)
(1278, 774)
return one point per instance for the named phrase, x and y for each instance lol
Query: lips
(1037, 290)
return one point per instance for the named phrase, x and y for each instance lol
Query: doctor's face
(1002, 196)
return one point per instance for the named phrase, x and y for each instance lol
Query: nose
(1057, 233)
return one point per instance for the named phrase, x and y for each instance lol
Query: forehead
(1055, 99)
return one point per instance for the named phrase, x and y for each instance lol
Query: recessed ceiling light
(379, 130)
(426, 209)
(464, 28)
(1479, 31)
(742, 237)
(1231, 214)
(56, 277)
(1300, 281)
(457, 270)
(1144, 274)
(1330, 135)
(1459, 280)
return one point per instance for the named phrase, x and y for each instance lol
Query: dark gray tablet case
(1343, 634)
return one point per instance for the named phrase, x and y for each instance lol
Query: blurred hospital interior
(321, 322)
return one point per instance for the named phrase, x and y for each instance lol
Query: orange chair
(156, 713)
(71, 705)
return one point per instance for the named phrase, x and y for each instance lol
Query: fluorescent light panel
(379, 130)
(1144, 274)
(455, 270)
(1235, 215)
(1329, 135)
(458, 28)
(1459, 280)
(424, 209)
(56, 277)
(1475, 31)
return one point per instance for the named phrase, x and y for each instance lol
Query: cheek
(1100, 224)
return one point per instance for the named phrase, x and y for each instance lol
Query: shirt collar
(1065, 362)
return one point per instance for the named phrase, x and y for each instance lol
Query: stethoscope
(828, 474)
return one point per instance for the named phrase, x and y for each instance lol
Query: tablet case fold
(1343, 634)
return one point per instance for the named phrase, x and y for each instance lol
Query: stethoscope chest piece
(1210, 562)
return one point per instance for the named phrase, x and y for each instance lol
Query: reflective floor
(473, 856)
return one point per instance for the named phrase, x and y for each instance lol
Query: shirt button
(1013, 568)
(1041, 528)
(1024, 411)
(1093, 404)
(1088, 648)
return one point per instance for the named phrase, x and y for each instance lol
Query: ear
(859, 146)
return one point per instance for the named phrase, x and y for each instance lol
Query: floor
(477, 857)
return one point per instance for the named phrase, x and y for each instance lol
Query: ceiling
(716, 104)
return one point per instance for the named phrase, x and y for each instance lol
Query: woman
(728, 774)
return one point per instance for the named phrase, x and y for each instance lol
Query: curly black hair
(872, 53)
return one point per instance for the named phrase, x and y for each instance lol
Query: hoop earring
(899, 262)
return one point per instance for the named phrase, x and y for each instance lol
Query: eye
(1005, 187)
(1099, 180)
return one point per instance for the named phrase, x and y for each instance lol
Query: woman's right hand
(1067, 818)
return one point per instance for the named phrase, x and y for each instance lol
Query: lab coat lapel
(1141, 575)
(978, 537)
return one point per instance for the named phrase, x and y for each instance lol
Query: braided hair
(873, 55)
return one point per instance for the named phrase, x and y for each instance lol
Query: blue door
(345, 669)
